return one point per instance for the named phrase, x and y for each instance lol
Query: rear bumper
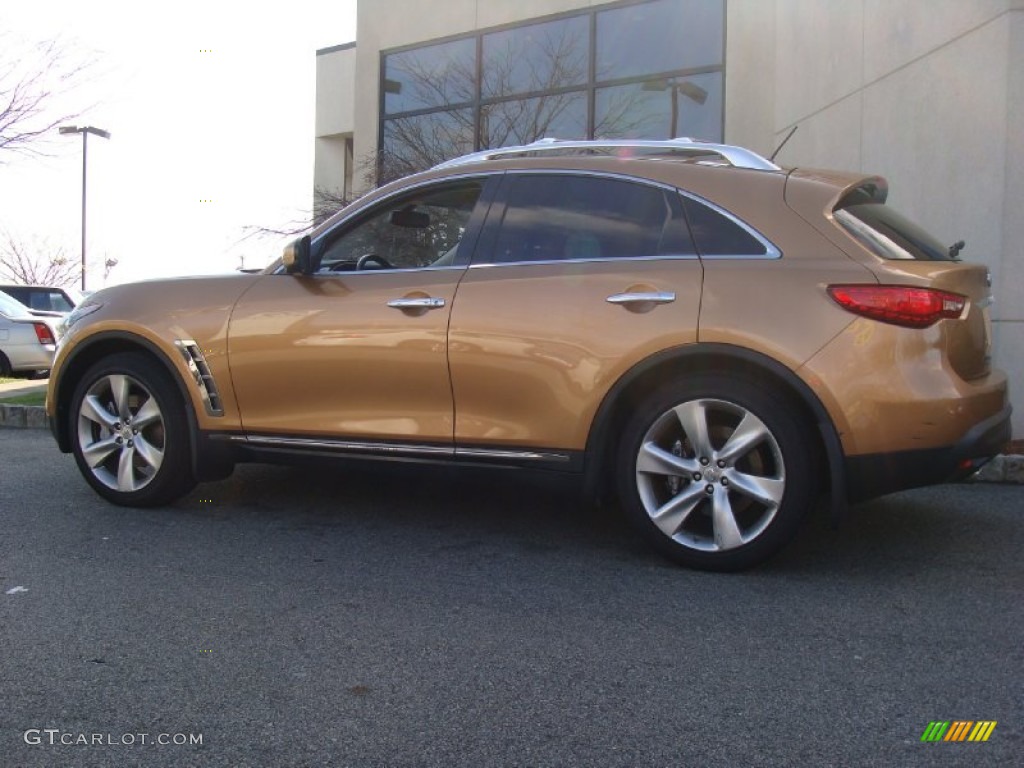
(872, 475)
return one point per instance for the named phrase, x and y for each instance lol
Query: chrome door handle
(651, 297)
(428, 302)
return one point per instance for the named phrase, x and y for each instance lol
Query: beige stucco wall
(335, 95)
(929, 93)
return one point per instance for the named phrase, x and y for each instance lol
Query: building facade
(928, 93)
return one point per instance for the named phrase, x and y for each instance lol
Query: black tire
(5, 366)
(688, 483)
(129, 432)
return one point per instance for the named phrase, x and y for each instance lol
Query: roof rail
(738, 157)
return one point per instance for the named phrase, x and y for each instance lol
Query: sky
(210, 106)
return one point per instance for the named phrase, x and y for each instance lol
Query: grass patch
(33, 398)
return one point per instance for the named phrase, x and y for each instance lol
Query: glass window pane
(659, 37)
(540, 57)
(552, 217)
(413, 144)
(558, 116)
(413, 231)
(434, 76)
(644, 110)
(716, 235)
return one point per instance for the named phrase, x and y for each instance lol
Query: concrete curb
(1004, 468)
(23, 416)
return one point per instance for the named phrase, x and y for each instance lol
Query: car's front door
(357, 353)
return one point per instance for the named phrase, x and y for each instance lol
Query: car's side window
(717, 235)
(421, 229)
(564, 217)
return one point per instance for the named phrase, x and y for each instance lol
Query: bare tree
(327, 202)
(32, 77)
(36, 264)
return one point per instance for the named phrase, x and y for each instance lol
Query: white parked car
(27, 342)
(44, 300)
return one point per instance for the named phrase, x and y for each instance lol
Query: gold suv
(714, 339)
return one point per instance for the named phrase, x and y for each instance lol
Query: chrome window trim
(329, 226)
(592, 260)
(352, 273)
(771, 251)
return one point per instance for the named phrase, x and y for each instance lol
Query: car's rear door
(575, 280)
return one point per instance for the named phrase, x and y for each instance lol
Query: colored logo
(958, 730)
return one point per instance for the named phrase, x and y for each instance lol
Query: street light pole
(85, 130)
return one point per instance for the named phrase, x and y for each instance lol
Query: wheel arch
(208, 460)
(644, 377)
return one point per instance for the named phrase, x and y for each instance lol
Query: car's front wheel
(716, 473)
(129, 432)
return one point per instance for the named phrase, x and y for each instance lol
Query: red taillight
(43, 333)
(899, 304)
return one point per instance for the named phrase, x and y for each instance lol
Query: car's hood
(177, 294)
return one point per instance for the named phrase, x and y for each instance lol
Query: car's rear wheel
(129, 432)
(716, 473)
(5, 366)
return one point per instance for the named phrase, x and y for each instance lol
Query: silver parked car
(27, 342)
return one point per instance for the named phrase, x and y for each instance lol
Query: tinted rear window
(890, 235)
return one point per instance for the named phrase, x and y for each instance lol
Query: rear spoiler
(811, 192)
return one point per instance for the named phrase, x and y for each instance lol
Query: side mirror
(296, 257)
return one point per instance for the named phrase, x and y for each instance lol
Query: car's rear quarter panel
(894, 389)
(897, 389)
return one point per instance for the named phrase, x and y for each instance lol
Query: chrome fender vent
(200, 371)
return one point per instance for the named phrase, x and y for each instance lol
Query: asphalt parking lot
(413, 617)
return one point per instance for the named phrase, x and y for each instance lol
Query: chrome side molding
(411, 450)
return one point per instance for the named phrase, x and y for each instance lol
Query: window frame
(488, 181)
(589, 88)
(771, 250)
(496, 218)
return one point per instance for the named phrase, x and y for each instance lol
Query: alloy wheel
(121, 433)
(710, 475)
